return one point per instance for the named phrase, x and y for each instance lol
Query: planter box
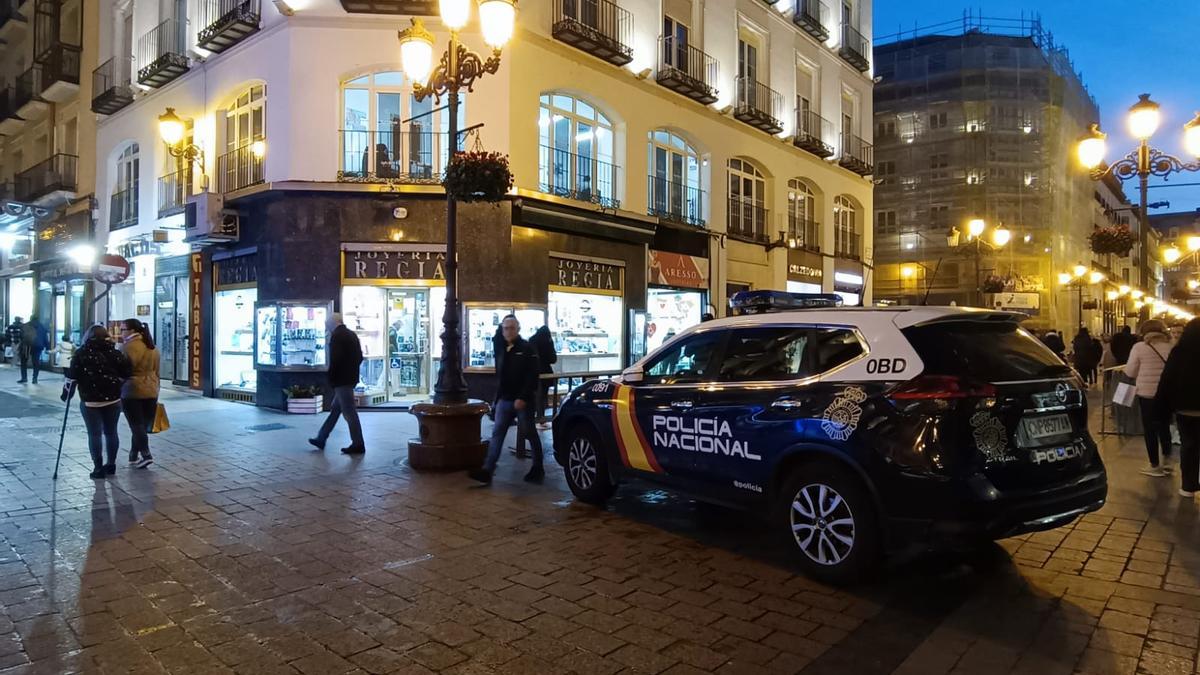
(305, 406)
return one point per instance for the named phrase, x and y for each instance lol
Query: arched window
(674, 187)
(846, 239)
(245, 140)
(576, 155)
(388, 134)
(123, 211)
(803, 231)
(747, 201)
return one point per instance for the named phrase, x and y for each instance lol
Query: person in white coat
(1145, 366)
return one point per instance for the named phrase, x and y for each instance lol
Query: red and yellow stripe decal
(635, 451)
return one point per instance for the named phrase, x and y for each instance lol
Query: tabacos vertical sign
(196, 348)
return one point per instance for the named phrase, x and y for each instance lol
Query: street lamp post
(975, 230)
(171, 129)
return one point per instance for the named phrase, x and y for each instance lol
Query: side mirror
(632, 375)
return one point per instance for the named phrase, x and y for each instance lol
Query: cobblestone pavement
(241, 551)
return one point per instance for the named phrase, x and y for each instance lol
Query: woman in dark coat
(98, 370)
(1178, 394)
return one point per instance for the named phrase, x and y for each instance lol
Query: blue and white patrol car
(854, 429)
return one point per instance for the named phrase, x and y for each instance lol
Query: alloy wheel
(822, 524)
(581, 463)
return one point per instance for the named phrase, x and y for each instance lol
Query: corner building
(665, 155)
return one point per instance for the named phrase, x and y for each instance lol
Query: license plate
(1037, 428)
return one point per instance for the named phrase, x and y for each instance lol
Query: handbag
(161, 421)
(1125, 394)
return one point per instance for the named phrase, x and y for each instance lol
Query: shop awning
(582, 222)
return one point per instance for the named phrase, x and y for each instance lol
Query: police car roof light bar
(763, 302)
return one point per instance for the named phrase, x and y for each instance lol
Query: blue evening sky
(1121, 48)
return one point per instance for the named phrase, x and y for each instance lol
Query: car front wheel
(829, 519)
(586, 468)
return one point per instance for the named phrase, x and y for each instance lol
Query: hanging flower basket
(478, 176)
(994, 284)
(1113, 240)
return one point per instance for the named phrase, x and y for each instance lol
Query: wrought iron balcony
(674, 201)
(758, 105)
(748, 220)
(812, 16)
(857, 155)
(239, 169)
(574, 176)
(847, 244)
(224, 23)
(173, 191)
(54, 174)
(687, 70)
(392, 7)
(811, 132)
(123, 208)
(598, 27)
(855, 48)
(28, 101)
(162, 54)
(60, 72)
(111, 87)
(410, 156)
(803, 232)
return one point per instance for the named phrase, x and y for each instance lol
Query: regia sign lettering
(589, 274)
(699, 434)
(395, 264)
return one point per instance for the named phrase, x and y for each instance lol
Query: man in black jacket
(517, 370)
(1122, 343)
(345, 357)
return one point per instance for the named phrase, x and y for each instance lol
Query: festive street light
(975, 231)
(171, 129)
(1171, 254)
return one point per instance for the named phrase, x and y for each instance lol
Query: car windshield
(990, 351)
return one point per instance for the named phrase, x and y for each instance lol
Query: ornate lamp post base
(449, 437)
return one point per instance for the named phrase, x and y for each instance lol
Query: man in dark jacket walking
(345, 357)
(517, 371)
(34, 340)
(1122, 344)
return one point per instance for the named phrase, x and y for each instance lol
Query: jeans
(506, 414)
(1156, 430)
(101, 423)
(1189, 452)
(26, 354)
(543, 397)
(343, 405)
(139, 413)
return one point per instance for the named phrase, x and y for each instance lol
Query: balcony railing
(54, 174)
(687, 70)
(162, 54)
(123, 208)
(758, 105)
(598, 27)
(811, 132)
(411, 156)
(812, 16)
(110, 86)
(239, 169)
(803, 232)
(857, 155)
(29, 86)
(60, 72)
(173, 191)
(674, 201)
(855, 49)
(225, 22)
(748, 220)
(847, 244)
(575, 176)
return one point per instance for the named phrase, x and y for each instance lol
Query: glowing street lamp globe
(975, 226)
(170, 127)
(416, 51)
(1096, 277)
(1001, 237)
(1137, 295)
(1091, 148)
(1171, 255)
(496, 19)
(1079, 270)
(1144, 118)
(1192, 243)
(1064, 278)
(1122, 289)
(1191, 136)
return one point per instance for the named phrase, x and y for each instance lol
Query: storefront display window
(669, 311)
(20, 298)
(291, 335)
(399, 330)
(234, 335)
(484, 320)
(587, 330)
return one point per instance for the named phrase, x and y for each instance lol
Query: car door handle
(682, 405)
(788, 404)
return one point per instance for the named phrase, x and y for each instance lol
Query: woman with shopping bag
(1146, 363)
(139, 395)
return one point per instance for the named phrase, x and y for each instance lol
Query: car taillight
(941, 387)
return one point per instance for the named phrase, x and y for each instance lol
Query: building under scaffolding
(977, 119)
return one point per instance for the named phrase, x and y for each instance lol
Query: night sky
(1122, 49)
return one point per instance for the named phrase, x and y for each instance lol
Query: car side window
(834, 346)
(690, 360)
(767, 353)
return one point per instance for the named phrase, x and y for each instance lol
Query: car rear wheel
(586, 468)
(829, 519)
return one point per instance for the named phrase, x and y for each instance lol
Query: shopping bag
(161, 421)
(1125, 394)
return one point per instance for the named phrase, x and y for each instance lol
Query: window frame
(688, 156)
(552, 113)
(812, 329)
(722, 339)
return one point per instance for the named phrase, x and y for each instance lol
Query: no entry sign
(112, 269)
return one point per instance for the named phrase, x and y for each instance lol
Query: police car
(855, 430)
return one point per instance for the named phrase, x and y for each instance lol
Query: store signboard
(1016, 301)
(240, 271)
(595, 275)
(381, 263)
(195, 344)
(678, 270)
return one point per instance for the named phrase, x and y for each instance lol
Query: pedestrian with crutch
(98, 370)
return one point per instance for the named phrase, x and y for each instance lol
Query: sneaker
(22, 381)
(110, 469)
(1156, 471)
(353, 450)
(98, 473)
(482, 475)
(316, 444)
(133, 458)
(1187, 493)
(535, 475)
(144, 462)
